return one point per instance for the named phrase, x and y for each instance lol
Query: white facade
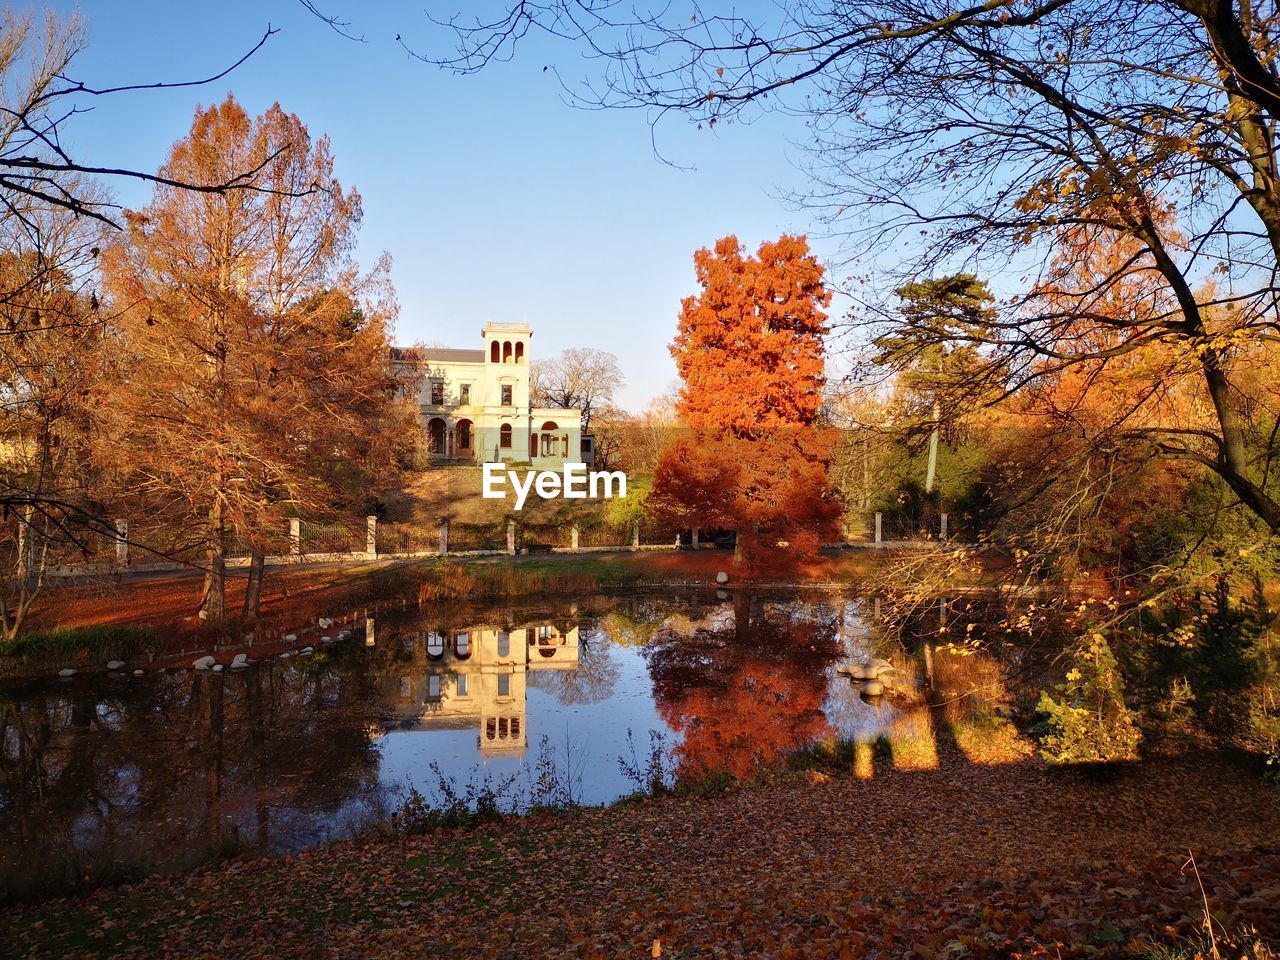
(475, 406)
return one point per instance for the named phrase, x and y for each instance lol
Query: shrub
(1091, 723)
(1224, 670)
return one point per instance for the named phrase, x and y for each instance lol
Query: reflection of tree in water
(635, 624)
(162, 769)
(746, 693)
(592, 681)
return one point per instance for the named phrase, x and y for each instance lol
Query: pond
(543, 702)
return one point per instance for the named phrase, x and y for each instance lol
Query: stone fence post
(122, 542)
(695, 538)
(371, 537)
(444, 538)
(879, 528)
(635, 535)
(573, 537)
(943, 528)
(295, 536)
(511, 538)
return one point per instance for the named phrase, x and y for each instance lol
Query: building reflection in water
(475, 678)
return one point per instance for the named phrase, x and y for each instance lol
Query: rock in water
(722, 577)
(114, 664)
(217, 668)
(139, 673)
(240, 661)
(66, 672)
(203, 663)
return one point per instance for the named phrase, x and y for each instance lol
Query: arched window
(493, 352)
(549, 425)
(519, 353)
(464, 435)
(506, 351)
(504, 437)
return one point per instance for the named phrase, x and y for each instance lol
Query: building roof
(500, 328)
(439, 354)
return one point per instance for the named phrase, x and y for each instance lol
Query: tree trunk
(743, 544)
(213, 608)
(1232, 462)
(253, 591)
(866, 474)
(932, 469)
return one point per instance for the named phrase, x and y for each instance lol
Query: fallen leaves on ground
(962, 861)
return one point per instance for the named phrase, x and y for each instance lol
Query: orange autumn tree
(750, 353)
(255, 381)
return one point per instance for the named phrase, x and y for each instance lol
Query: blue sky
(495, 198)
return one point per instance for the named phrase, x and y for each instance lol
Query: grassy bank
(88, 624)
(567, 574)
(76, 647)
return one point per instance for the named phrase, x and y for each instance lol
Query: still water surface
(290, 752)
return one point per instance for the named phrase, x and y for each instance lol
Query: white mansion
(475, 405)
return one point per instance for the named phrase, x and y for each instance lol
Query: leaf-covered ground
(965, 860)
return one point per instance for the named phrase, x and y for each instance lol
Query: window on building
(437, 392)
(504, 644)
(506, 395)
(460, 685)
(504, 684)
(504, 437)
(464, 394)
(433, 686)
